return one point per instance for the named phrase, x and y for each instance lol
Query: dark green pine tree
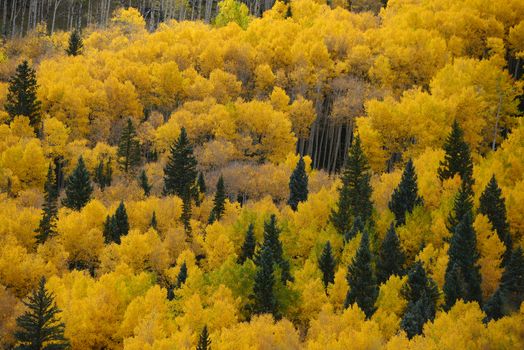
(108, 173)
(47, 226)
(219, 202)
(185, 216)
(405, 197)
(492, 204)
(421, 293)
(201, 183)
(204, 343)
(264, 300)
(143, 181)
(355, 193)
(78, 187)
(391, 258)
(121, 222)
(153, 223)
(180, 171)
(99, 177)
(298, 185)
(463, 204)
(363, 288)
(249, 245)
(110, 229)
(272, 240)
(458, 157)
(40, 327)
(182, 275)
(22, 98)
(462, 279)
(128, 148)
(358, 226)
(75, 45)
(289, 13)
(327, 264)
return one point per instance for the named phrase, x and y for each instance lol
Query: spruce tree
(204, 343)
(390, 257)
(121, 222)
(219, 202)
(492, 204)
(108, 173)
(363, 288)
(180, 171)
(421, 293)
(143, 181)
(153, 223)
(40, 327)
(405, 197)
(264, 300)
(78, 187)
(182, 275)
(358, 226)
(185, 216)
(327, 264)
(355, 193)
(75, 45)
(22, 98)
(512, 282)
(110, 229)
(272, 240)
(99, 177)
(463, 204)
(47, 226)
(128, 148)
(458, 157)
(298, 185)
(201, 183)
(249, 245)
(463, 279)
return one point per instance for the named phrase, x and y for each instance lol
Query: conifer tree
(128, 148)
(355, 193)
(289, 13)
(219, 202)
(180, 171)
(182, 275)
(185, 217)
(108, 173)
(110, 229)
(458, 157)
(272, 240)
(78, 187)
(121, 222)
(492, 204)
(405, 197)
(103, 174)
(421, 293)
(264, 300)
(143, 181)
(75, 45)
(40, 327)
(358, 226)
(201, 183)
(22, 98)
(462, 279)
(363, 288)
(204, 343)
(47, 226)
(462, 205)
(154, 223)
(327, 264)
(249, 245)
(298, 182)
(391, 257)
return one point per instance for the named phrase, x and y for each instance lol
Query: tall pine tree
(327, 264)
(219, 202)
(355, 193)
(22, 98)
(143, 181)
(128, 148)
(249, 245)
(298, 182)
(182, 275)
(185, 216)
(204, 343)
(78, 187)
(363, 288)
(201, 182)
(75, 44)
(458, 157)
(47, 226)
(358, 226)
(391, 257)
(272, 240)
(264, 299)
(180, 171)
(40, 327)
(462, 205)
(405, 197)
(116, 225)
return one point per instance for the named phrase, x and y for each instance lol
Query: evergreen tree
(103, 174)
(272, 240)
(204, 343)
(47, 226)
(492, 204)
(75, 44)
(110, 229)
(355, 193)
(121, 222)
(463, 204)
(154, 223)
(405, 197)
(143, 181)
(22, 98)
(363, 288)
(128, 148)
(248, 248)
(185, 217)
(264, 300)
(358, 226)
(180, 170)
(289, 13)
(327, 264)
(462, 279)
(298, 185)
(391, 257)
(78, 187)
(458, 157)
(201, 183)
(493, 307)
(40, 327)
(108, 174)
(182, 275)
(421, 293)
(512, 283)
(219, 202)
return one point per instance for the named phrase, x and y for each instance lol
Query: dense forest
(261, 175)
